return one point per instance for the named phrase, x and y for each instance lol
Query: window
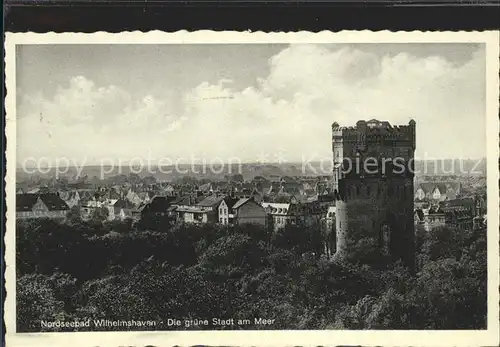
(386, 239)
(368, 190)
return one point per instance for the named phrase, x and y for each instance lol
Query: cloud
(289, 113)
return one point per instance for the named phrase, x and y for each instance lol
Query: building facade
(373, 186)
(248, 211)
(48, 205)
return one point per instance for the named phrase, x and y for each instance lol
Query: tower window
(368, 190)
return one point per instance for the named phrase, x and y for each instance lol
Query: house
(216, 187)
(459, 219)
(309, 213)
(187, 200)
(211, 201)
(47, 205)
(114, 194)
(169, 190)
(134, 198)
(197, 209)
(72, 198)
(88, 207)
(157, 207)
(280, 214)
(459, 213)
(84, 196)
(123, 209)
(225, 210)
(290, 188)
(437, 191)
(146, 196)
(248, 211)
(196, 214)
(431, 218)
(110, 206)
(466, 204)
(205, 188)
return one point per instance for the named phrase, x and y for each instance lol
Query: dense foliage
(76, 270)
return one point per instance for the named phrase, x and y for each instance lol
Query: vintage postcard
(252, 189)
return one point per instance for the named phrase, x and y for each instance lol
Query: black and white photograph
(289, 184)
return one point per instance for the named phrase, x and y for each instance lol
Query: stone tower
(373, 184)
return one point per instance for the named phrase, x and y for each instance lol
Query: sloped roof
(277, 208)
(54, 202)
(160, 204)
(240, 203)
(211, 201)
(25, 202)
(123, 203)
(429, 187)
(184, 200)
(230, 202)
(205, 187)
(435, 210)
(420, 214)
(466, 203)
(215, 185)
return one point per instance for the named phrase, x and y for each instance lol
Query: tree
(74, 215)
(237, 178)
(36, 302)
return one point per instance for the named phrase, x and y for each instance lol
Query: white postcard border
(261, 338)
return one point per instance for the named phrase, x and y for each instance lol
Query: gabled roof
(25, 202)
(53, 202)
(429, 187)
(420, 214)
(211, 201)
(230, 202)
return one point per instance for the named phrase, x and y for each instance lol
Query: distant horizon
(291, 163)
(243, 100)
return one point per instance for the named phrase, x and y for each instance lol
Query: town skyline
(201, 101)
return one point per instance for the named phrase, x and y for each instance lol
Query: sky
(259, 102)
